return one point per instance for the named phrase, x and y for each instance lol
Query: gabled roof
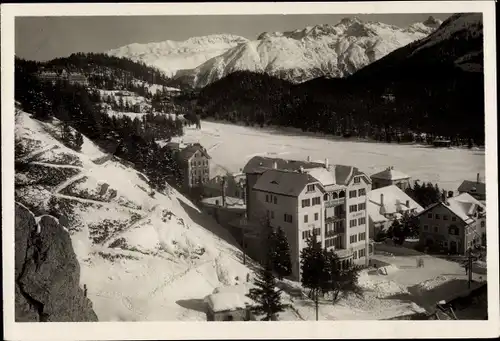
(394, 201)
(473, 187)
(186, 153)
(283, 182)
(390, 174)
(259, 164)
(461, 205)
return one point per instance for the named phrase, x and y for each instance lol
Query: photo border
(202, 330)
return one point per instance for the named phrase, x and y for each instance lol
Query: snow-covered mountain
(299, 55)
(322, 50)
(171, 56)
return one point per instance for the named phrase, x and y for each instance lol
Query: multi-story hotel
(306, 198)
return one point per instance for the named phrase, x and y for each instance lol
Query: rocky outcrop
(47, 272)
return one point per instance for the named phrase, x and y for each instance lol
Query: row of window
(357, 237)
(357, 222)
(306, 217)
(307, 202)
(336, 227)
(307, 234)
(195, 172)
(195, 163)
(453, 230)
(437, 216)
(272, 199)
(357, 193)
(336, 241)
(359, 254)
(358, 207)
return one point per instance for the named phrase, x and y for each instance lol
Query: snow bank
(387, 270)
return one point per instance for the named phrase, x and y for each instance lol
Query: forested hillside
(433, 86)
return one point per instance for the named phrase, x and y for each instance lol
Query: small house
(389, 177)
(230, 303)
(476, 189)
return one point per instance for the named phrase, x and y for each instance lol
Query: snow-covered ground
(146, 258)
(231, 146)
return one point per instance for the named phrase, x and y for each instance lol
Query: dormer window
(325, 197)
(310, 188)
(357, 180)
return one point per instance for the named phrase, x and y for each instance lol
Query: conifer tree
(265, 294)
(340, 281)
(314, 271)
(78, 141)
(282, 263)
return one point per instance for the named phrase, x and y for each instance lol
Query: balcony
(334, 202)
(334, 233)
(337, 217)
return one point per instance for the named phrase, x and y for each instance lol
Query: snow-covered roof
(231, 202)
(390, 174)
(463, 206)
(230, 298)
(394, 201)
(325, 177)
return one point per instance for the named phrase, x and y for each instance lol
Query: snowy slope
(322, 50)
(141, 257)
(171, 56)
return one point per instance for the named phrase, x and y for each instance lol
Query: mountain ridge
(299, 55)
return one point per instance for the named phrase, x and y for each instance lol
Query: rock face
(47, 273)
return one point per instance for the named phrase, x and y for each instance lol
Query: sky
(45, 38)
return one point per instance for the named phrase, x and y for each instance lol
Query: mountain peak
(432, 22)
(350, 20)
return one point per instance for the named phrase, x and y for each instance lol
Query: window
(353, 208)
(353, 239)
(272, 214)
(306, 218)
(361, 207)
(429, 215)
(335, 195)
(453, 218)
(426, 227)
(361, 221)
(268, 214)
(361, 253)
(355, 255)
(436, 229)
(287, 218)
(362, 236)
(357, 180)
(316, 201)
(445, 217)
(361, 192)
(306, 234)
(317, 231)
(325, 197)
(342, 194)
(267, 198)
(352, 223)
(437, 216)
(275, 199)
(310, 188)
(316, 216)
(483, 223)
(352, 194)
(306, 202)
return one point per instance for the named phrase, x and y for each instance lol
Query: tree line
(76, 107)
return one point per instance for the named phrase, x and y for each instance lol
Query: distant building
(476, 189)
(454, 224)
(234, 185)
(311, 198)
(390, 176)
(387, 204)
(63, 75)
(194, 162)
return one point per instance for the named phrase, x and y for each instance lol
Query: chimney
(301, 169)
(408, 203)
(381, 199)
(308, 158)
(477, 177)
(450, 194)
(326, 163)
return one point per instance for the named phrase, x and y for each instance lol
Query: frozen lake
(231, 146)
